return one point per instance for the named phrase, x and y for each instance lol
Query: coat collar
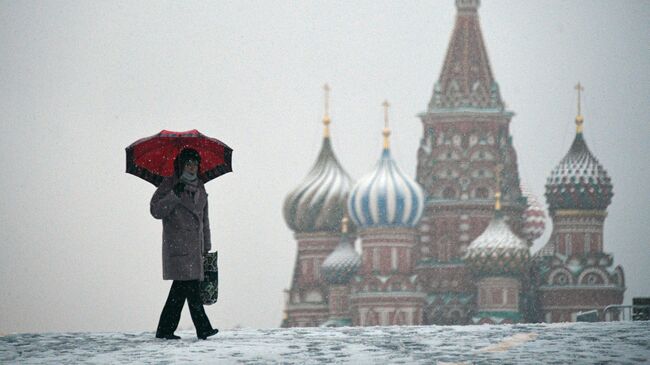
(194, 206)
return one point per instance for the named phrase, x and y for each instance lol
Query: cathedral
(451, 245)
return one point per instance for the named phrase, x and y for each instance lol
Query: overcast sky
(79, 81)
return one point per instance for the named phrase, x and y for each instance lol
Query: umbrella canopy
(152, 158)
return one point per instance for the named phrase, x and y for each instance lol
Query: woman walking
(182, 204)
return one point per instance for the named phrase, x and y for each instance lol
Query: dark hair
(185, 155)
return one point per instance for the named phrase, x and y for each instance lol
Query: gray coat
(186, 230)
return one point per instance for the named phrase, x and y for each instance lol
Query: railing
(627, 312)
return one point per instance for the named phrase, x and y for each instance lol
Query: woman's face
(191, 167)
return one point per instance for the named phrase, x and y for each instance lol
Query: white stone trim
(381, 294)
(599, 272)
(307, 306)
(556, 272)
(585, 287)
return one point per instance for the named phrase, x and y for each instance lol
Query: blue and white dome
(386, 197)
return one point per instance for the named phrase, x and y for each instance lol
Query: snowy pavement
(576, 343)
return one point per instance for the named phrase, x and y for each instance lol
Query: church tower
(338, 269)
(498, 259)
(573, 271)
(314, 211)
(386, 204)
(465, 136)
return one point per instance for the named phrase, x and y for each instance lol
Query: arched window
(399, 318)
(372, 318)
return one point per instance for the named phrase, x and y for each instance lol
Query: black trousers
(171, 313)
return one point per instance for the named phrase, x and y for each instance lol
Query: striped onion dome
(319, 203)
(579, 181)
(342, 263)
(534, 218)
(498, 250)
(386, 197)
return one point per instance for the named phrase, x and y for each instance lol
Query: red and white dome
(534, 217)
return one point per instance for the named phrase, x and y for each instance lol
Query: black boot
(168, 337)
(205, 335)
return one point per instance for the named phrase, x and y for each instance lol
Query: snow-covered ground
(577, 343)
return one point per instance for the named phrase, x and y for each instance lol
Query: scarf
(191, 183)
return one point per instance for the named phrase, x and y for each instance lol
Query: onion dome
(339, 267)
(319, 203)
(534, 218)
(579, 181)
(386, 197)
(498, 250)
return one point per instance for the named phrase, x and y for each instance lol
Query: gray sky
(79, 81)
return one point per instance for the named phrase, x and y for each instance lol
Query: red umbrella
(152, 158)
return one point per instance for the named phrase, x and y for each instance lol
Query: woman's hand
(179, 188)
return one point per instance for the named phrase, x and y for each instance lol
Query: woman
(182, 204)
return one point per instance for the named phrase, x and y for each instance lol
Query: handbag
(210, 283)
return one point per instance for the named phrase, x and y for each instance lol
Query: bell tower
(465, 136)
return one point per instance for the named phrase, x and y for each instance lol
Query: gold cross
(326, 87)
(326, 117)
(385, 105)
(579, 119)
(386, 132)
(579, 88)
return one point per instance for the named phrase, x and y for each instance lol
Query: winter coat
(186, 230)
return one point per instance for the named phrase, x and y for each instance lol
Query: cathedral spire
(466, 80)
